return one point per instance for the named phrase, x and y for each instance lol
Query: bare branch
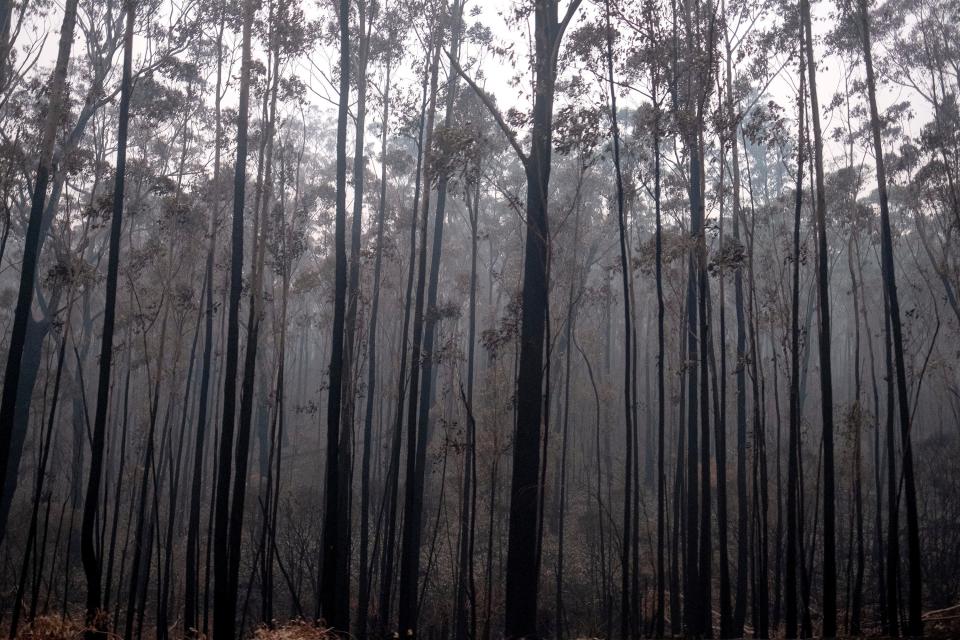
(571, 9)
(492, 108)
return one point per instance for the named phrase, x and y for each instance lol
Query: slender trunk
(691, 574)
(914, 599)
(466, 588)
(393, 479)
(143, 531)
(829, 629)
(261, 233)
(38, 495)
(488, 613)
(464, 582)
(225, 595)
(335, 581)
(191, 573)
(92, 566)
(350, 369)
(565, 433)
(760, 502)
(793, 445)
(705, 550)
(163, 606)
(117, 504)
(720, 438)
(625, 625)
(364, 587)
(430, 315)
(855, 602)
(416, 437)
(679, 500)
(660, 611)
(740, 602)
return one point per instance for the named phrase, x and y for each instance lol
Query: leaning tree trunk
(31, 244)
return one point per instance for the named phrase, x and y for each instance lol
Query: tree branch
(571, 9)
(492, 108)
(560, 30)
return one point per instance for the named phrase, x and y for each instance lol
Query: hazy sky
(41, 38)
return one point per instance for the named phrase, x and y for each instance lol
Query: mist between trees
(465, 320)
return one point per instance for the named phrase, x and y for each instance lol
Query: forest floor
(941, 624)
(56, 627)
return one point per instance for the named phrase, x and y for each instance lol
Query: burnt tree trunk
(829, 629)
(31, 247)
(90, 557)
(225, 596)
(914, 597)
(335, 578)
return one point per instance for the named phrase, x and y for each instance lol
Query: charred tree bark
(660, 611)
(793, 444)
(408, 598)
(393, 475)
(191, 572)
(31, 246)
(225, 594)
(829, 629)
(38, 497)
(914, 598)
(522, 579)
(364, 586)
(88, 546)
(335, 579)
(625, 592)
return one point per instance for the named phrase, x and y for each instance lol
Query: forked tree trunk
(522, 579)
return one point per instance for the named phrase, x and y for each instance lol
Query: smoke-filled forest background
(443, 318)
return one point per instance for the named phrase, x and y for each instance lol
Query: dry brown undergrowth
(52, 627)
(294, 630)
